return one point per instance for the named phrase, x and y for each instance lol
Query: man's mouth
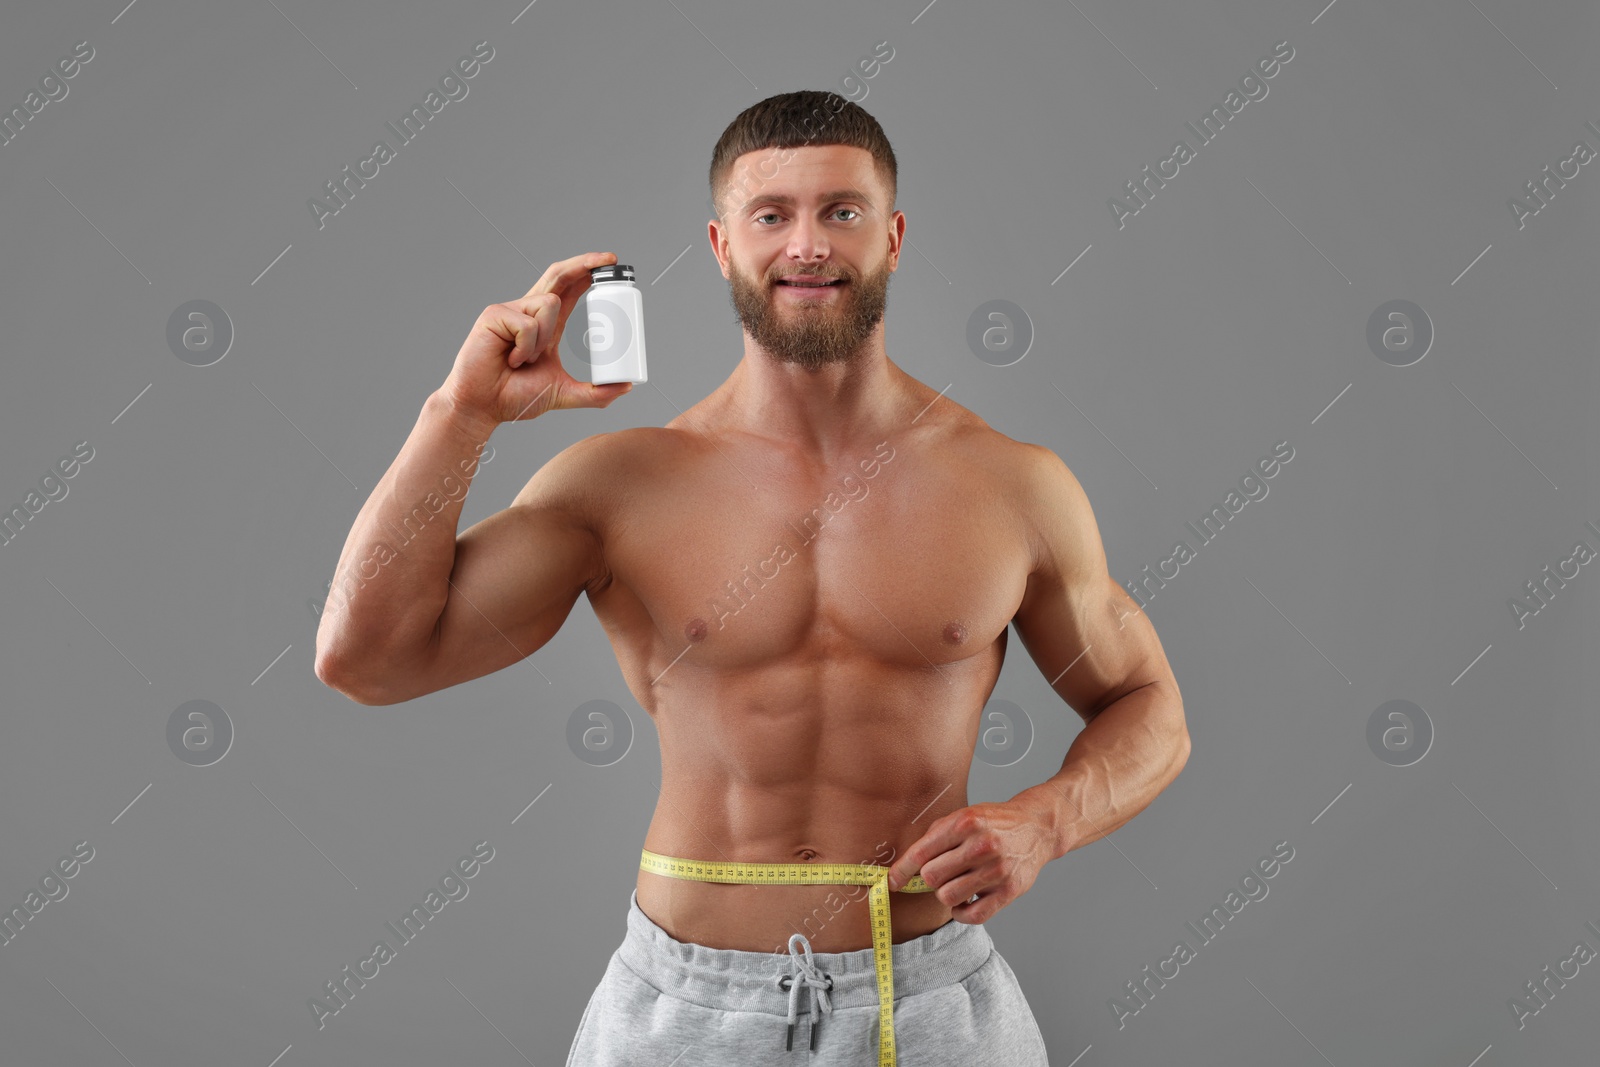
(813, 285)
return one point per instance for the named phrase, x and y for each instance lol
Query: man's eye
(772, 215)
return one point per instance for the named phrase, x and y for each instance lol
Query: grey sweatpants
(666, 1002)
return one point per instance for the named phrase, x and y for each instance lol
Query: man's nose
(809, 241)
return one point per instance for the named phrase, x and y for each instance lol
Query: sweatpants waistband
(735, 980)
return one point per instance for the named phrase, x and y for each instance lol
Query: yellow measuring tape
(814, 874)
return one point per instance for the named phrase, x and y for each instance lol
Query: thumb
(602, 395)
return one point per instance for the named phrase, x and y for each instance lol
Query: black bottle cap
(615, 272)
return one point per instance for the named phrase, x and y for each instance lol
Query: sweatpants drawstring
(816, 982)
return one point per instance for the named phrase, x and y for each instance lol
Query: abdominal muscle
(855, 784)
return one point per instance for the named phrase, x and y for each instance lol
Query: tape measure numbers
(814, 874)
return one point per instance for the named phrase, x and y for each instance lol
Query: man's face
(786, 218)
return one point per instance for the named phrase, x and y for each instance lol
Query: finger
(958, 891)
(571, 393)
(602, 395)
(540, 312)
(948, 867)
(533, 303)
(512, 325)
(977, 911)
(558, 275)
(901, 870)
(940, 838)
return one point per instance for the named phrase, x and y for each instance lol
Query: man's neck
(822, 411)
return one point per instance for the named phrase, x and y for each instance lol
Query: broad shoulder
(1058, 516)
(596, 471)
(1019, 469)
(1041, 492)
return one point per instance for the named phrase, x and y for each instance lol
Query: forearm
(1121, 760)
(392, 579)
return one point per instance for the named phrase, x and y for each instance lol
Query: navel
(696, 630)
(807, 855)
(955, 633)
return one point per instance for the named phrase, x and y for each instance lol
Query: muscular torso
(815, 641)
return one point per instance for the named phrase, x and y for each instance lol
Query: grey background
(1229, 315)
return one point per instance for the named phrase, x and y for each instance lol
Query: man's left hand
(993, 850)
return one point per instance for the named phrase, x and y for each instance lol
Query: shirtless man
(807, 579)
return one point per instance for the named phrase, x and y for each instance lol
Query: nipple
(955, 633)
(696, 630)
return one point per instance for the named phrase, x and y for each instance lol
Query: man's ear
(716, 245)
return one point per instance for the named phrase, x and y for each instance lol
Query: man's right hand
(509, 367)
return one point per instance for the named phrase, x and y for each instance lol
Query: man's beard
(811, 332)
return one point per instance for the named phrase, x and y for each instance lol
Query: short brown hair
(797, 119)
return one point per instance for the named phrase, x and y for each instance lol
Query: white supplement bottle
(615, 337)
